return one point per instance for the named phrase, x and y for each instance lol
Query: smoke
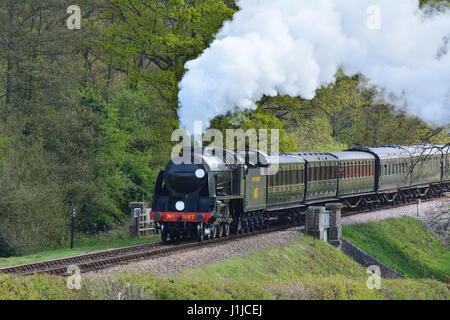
(292, 47)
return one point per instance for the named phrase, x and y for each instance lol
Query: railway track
(387, 207)
(104, 259)
(56, 264)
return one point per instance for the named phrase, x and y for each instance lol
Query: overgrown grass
(36, 288)
(405, 245)
(108, 240)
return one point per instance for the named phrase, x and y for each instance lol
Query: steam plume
(292, 47)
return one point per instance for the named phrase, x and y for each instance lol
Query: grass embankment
(405, 245)
(304, 269)
(82, 246)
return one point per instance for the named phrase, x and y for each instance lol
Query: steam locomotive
(213, 194)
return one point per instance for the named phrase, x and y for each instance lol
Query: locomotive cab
(192, 197)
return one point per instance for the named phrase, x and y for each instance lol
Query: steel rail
(73, 260)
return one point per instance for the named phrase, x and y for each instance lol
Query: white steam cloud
(293, 47)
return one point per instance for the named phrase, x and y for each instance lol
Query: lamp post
(72, 227)
(418, 203)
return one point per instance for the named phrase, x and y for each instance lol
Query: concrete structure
(324, 223)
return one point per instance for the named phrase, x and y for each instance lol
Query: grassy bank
(405, 245)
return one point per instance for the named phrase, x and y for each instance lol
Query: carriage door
(255, 190)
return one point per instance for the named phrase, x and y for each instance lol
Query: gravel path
(173, 264)
(410, 210)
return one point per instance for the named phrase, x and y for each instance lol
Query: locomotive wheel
(251, 224)
(242, 229)
(260, 223)
(245, 226)
(212, 230)
(175, 236)
(218, 231)
(226, 230)
(200, 233)
(164, 234)
(239, 229)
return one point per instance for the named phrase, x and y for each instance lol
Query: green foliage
(340, 288)
(152, 40)
(36, 288)
(31, 208)
(405, 245)
(132, 286)
(256, 120)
